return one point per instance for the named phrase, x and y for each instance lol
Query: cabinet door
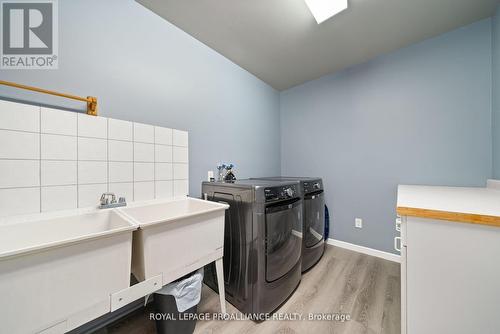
(452, 277)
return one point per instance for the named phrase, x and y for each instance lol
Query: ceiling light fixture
(322, 10)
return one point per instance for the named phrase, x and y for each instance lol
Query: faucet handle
(105, 198)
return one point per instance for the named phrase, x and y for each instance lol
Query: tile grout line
(72, 160)
(85, 137)
(86, 184)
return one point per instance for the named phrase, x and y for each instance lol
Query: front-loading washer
(262, 242)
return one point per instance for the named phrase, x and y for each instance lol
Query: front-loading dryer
(262, 242)
(313, 245)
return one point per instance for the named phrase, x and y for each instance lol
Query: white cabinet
(450, 277)
(450, 251)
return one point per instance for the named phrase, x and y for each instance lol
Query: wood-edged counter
(458, 204)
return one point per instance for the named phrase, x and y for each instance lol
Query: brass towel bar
(91, 101)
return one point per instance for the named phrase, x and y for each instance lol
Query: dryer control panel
(281, 192)
(312, 186)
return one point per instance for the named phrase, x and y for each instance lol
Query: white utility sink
(46, 233)
(169, 211)
(176, 238)
(58, 271)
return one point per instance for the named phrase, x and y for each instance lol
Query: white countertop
(476, 205)
(480, 201)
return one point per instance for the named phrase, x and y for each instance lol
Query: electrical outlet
(358, 223)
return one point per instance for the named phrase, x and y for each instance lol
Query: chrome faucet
(108, 200)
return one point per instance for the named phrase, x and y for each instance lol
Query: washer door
(314, 219)
(283, 238)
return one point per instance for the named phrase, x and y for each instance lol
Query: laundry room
(298, 166)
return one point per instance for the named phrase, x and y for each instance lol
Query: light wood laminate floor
(365, 287)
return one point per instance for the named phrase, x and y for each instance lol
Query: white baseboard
(364, 250)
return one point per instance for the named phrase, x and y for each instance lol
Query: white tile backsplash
(144, 191)
(123, 190)
(181, 188)
(180, 154)
(164, 189)
(52, 159)
(19, 173)
(58, 173)
(92, 126)
(59, 198)
(163, 171)
(90, 194)
(120, 150)
(180, 138)
(92, 172)
(120, 130)
(18, 116)
(19, 201)
(121, 171)
(181, 171)
(19, 145)
(144, 171)
(163, 153)
(57, 121)
(163, 136)
(57, 147)
(144, 133)
(144, 152)
(92, 149)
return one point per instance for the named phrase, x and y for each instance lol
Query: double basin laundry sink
(61, 270)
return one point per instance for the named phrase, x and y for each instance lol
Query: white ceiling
(280, 42)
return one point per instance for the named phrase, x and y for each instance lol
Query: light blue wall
(495, 24)
(144, 69)
(420, 115)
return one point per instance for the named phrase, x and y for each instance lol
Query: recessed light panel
(322, 10)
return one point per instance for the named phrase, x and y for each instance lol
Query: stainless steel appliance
(314, 217)
(262, 242)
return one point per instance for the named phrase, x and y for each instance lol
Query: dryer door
(283, 238)
(314, 218)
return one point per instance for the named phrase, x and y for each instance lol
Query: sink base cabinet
(450, 277)
(62, 288)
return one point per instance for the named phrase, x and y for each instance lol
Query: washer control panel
(281, 193)
(312, 186)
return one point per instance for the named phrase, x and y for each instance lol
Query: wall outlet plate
(358, 223)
